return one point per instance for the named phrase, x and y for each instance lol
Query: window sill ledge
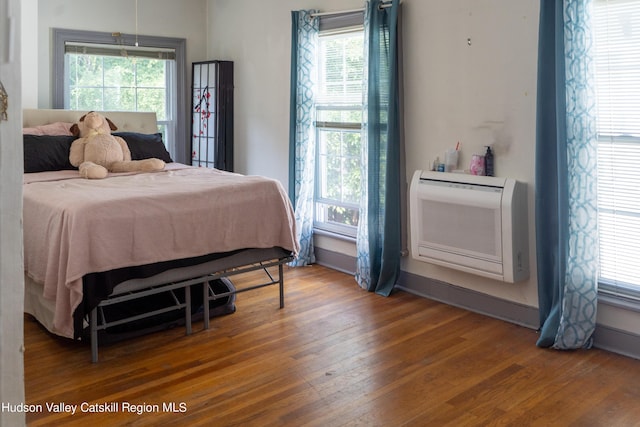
(619, 301)
(333, 235)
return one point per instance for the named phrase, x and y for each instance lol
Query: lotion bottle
(488, 162)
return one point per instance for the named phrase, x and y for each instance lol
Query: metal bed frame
(98, 321)
(132, 290)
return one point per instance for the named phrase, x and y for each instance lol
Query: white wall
(29, 41)
(478, 94)
(470, 76)
(256, 35)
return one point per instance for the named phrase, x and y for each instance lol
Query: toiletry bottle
(488, 162)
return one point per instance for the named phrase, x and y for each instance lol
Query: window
(339, 131)
(98, 80)
(93, 71)
(616, 27)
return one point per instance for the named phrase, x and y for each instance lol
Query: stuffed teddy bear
(97, 152)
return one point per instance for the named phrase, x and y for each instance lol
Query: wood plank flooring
(334, 356)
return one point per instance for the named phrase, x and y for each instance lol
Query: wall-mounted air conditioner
(475, 224)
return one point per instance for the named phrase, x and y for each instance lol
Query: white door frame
(11, 256)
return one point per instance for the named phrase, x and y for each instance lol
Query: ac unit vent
(471, 223)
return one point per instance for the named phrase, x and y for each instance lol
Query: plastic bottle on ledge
(488, 162)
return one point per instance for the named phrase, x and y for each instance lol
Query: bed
(131, 238)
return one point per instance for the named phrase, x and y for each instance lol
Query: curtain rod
(339, 12)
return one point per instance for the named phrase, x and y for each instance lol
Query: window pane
(337, 216)
(617, 74)
(152, 100)
(118, 72)
(118, 84)
(341, 69)
(617, 53)
(619, 211)
(86, 71)
(119, 99)
(340, 166)
(86, 99)
(151, 73)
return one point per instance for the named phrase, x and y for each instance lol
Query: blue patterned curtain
(304, 41)
(566, 209)
(379, 241)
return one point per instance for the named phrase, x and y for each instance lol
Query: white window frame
(321, 126)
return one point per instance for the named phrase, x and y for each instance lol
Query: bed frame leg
(187, 308)
(205, 303)
(281, 280)
(93, 327)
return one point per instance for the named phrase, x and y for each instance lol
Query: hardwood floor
(335, 355)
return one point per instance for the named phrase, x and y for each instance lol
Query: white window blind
(119, 50)
(616, 25)
(341, 69)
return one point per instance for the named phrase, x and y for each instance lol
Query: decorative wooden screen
(212, 115)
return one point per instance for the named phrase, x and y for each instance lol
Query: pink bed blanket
(75, 226)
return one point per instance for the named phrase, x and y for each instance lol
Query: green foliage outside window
(111, 83)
